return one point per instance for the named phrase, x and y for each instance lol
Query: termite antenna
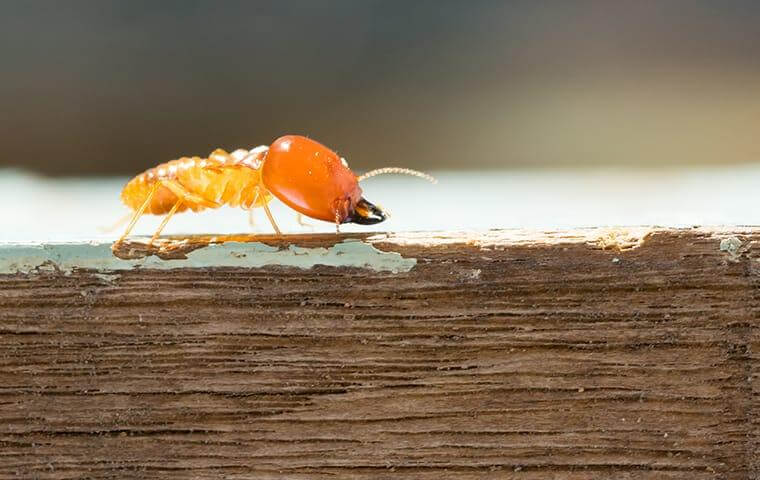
(398, 170)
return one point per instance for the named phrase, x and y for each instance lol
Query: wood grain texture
(547, 357)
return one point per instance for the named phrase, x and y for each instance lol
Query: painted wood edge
(373, 251)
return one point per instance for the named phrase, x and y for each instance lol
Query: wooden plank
(504, 354)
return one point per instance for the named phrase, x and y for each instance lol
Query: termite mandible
(304, 174)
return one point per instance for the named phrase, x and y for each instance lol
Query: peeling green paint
(67, 257)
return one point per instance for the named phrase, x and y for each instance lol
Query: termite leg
(182, 194)
(164, 222)
(251, 221)
(337, 222)
(271, 219)
(299, 219)
(139, 213)
(116, 224)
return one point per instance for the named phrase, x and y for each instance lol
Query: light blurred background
(594, 93)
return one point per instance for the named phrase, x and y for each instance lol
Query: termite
(304, 174)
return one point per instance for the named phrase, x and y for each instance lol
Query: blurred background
(113, 87)
(589, 90)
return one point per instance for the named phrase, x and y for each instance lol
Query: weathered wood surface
(499, 355)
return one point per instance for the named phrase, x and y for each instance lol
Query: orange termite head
(313, 180)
